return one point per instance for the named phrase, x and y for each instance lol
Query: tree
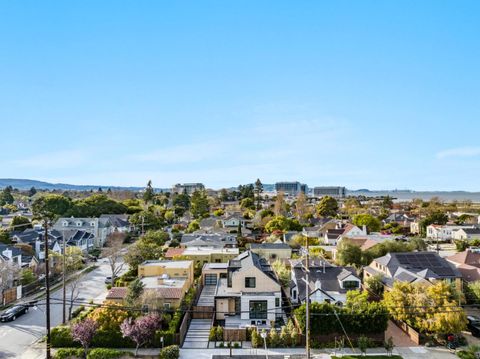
(20, 223)
(96, 205)
(83, 332)
(282, 272)
(140, 330)
(274, 338)
(74, 293)
(372, 223)
(109, 318)
(141, 251)
(440, 314)
(436, 217)
(417, 244)
(146, 219)
(31, 192)
(5, 236)
(327, 207)
(51, 206)
(27, 276)
(149, 193)
(349, 254)
(247, 203)
(258, 192)
(9, 272)
(199, 206)
(301, 209)
(374, 285)
(113, 253)
(389, 345)
(280, 207)
(281, 223)
(6, 196)
(387, 202)
(135, 290)
(193, 226)
(363, 344)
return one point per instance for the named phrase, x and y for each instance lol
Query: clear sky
(366, 94)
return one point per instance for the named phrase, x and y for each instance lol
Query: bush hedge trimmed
(170, 352)
(96, 353)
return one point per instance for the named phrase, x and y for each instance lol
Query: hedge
(61, 338)
(96, 353)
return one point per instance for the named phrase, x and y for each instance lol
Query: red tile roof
(173, 252)
(117, 293)
(169, 293)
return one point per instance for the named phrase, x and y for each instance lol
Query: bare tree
(74, 288)
(112, 252)
(8, 273)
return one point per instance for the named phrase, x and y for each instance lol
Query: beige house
(166, 281)
(249, 295)
(202, 255)
(272, 251)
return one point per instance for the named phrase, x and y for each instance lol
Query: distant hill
(25, 184)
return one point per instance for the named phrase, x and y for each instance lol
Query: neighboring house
(415, 227)
(11, 254)
(78, 238)
(119, 222)
(467, 234)
(99, 227)
(187, 188)
(333, 236)
(117, 295)
(443, 232)
(210, 223)
(217, 240)
(413, 267)
(272, 251)
(468, 263)
(35, 239)
(249, 295)
(327, 283)
(167, 280)
(202, 255)
(401, 218)
(233, 221)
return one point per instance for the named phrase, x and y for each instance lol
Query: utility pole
(47, 289)
(143, 225)
(307, 303)
(64, 302)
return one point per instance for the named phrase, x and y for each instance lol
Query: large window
(249, 282)
(350, 284)
(258, 309)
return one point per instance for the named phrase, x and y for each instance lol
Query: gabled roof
(267, 245)
(251, 259)
(428, 265)
(465, 257)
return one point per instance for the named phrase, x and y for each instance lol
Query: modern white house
(99, 227)
(443, 232)
(250, 295)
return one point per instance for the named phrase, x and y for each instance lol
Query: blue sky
(366, 94)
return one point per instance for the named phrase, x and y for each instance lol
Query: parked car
(108, 280)
(474, 325)
(13, 313)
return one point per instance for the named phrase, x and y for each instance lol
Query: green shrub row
(96, 353)
(170, 352)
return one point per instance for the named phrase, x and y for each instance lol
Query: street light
(263, 334)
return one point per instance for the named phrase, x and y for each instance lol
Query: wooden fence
(413, 334)
(234, 335)
(200, 312)
(9, 295)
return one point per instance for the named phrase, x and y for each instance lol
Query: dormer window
(92, 224)
(65, 224)
(79, 224)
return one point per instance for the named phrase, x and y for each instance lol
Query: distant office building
(291, 188)
(333, 191)
(189, 188)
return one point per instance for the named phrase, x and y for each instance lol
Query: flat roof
(167, 264)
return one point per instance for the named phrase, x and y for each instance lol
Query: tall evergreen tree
(149, 192)
(258, 191)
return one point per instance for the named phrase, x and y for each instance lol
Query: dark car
(474, 325)
(13, 313)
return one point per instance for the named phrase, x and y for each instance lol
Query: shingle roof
(117, 293)
(269, 246)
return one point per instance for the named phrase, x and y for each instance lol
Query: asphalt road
(17, 336)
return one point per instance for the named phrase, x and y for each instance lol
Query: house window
(350, 284)
(65, 224)
(294, 294)
(217, 260)
(258, 309)
(277, 302)
(166, 305)
(249, 282)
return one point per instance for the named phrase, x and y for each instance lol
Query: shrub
(364, 343)
(219, 334)
(77, 311)
(236, 345)
(213, 334)
(256, 339)
(221, 345)
(170, 352)
(67, 353)
(61, 337)
(103, 353)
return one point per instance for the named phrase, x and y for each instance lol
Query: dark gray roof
(471, 230)
(424, 264)
(328, 278)
(269, 246)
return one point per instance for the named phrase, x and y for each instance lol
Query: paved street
(17, 336)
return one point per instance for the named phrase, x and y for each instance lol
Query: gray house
(99, 227)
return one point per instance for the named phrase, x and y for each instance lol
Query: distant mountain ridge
(25, 184)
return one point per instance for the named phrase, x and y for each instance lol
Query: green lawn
(368, 357)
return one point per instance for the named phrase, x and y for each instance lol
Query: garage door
(210, 279)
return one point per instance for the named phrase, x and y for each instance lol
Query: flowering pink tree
(84, 332)
(140, 330)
